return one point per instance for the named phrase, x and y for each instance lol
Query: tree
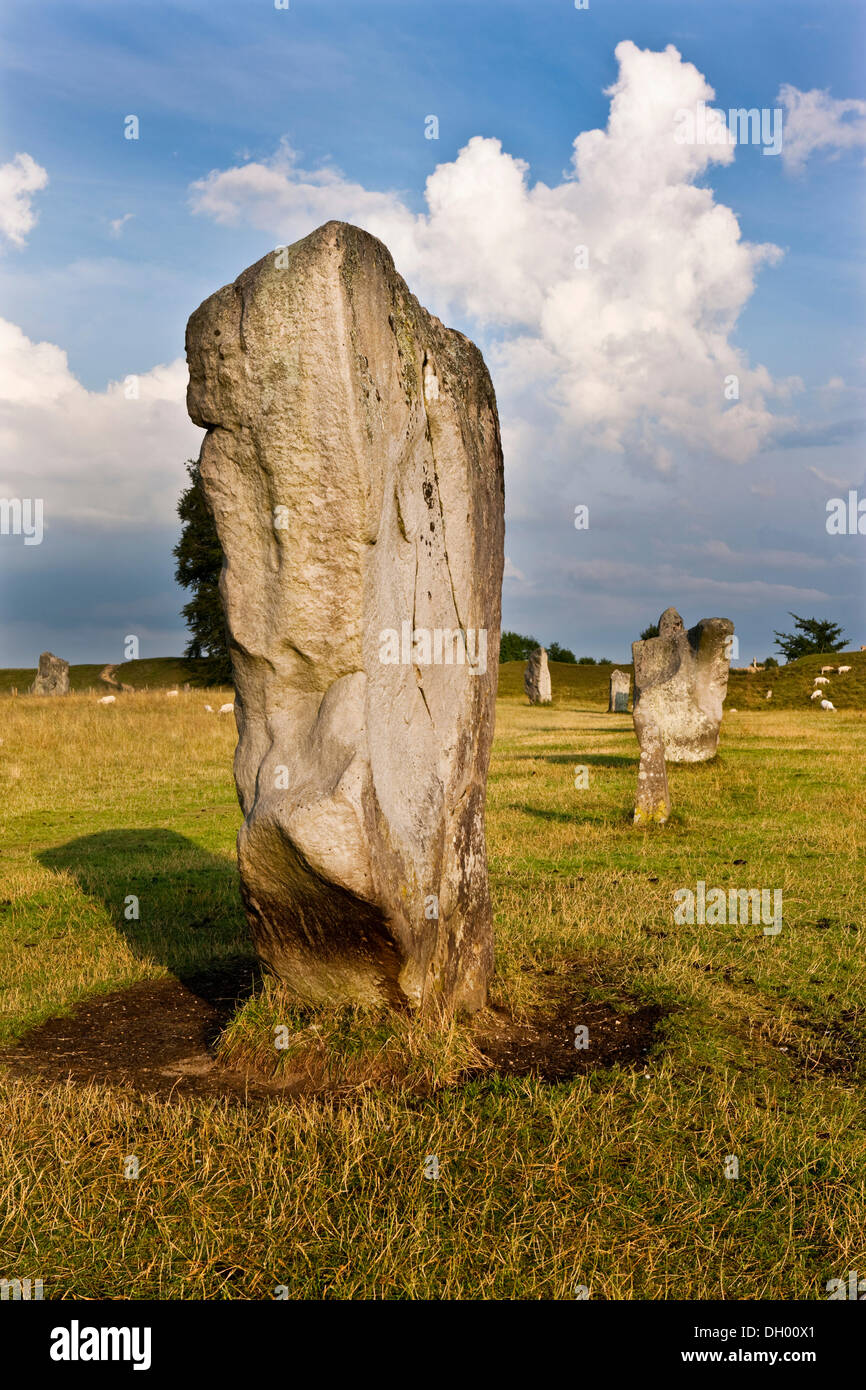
(557, 653)
(514, 647)
(199, 561)
(586, 661)
(771, 663)
(651, 631)
(815, 635)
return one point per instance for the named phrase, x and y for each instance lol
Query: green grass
(614, 1180)
(791, 685)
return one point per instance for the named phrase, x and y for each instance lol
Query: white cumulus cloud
(108, 457)
(19, 180)
(815, 121)
(611, 297)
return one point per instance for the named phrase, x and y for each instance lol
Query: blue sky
(684, 508)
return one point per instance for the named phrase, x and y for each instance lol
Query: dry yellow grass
(614, 1180)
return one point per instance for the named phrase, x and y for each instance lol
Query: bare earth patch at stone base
(160, 1038)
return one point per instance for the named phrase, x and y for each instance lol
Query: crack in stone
(460, 623)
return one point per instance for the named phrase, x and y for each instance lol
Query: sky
(672, 316)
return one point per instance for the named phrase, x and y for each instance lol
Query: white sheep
(769, 694)
(107, 700)
(843, 669)
(226, 709)
(828, 704)
(209, 709)
(821, 680)
(831, 669)
(816, 695)
(170, 693)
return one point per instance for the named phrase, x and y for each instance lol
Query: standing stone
(652, 804)
(620, 681)
(354, 470)
(680, 683)
(536, 678)
(52, 677)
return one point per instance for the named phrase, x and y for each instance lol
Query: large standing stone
(536, 678)
(52, 677)
(620, 681)
(354, 469)
(680, 682)
(652, 805)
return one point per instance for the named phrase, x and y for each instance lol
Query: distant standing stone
(620, 681)
(52, 678)
(536, 678)
(652, 803)
(680, 683)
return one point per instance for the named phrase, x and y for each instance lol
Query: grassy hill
(572, 684)
(791, 685)
(569, 682)
(156, 673)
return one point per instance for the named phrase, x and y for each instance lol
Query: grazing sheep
(828, 704)
(831, 669)
(107, 700)
(843, 669)
(209, 709)
(171, 692)
(769, 694)
(821, 680)
(226, 709)
(816, 695)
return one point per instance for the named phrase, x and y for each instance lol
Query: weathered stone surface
(354, 469)
(680, 683)
(652, 804)
(620, 683)
(536, 678)
(670, 624)
(52, 677)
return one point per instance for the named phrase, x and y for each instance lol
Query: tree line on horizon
(199, 561)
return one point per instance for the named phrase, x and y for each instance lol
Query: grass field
(614, 1180)
(791, 685)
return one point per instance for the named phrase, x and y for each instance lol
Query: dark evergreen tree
(814, 636)
(199, 561)
(651, 631)
(557, 653)
(514, 647)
